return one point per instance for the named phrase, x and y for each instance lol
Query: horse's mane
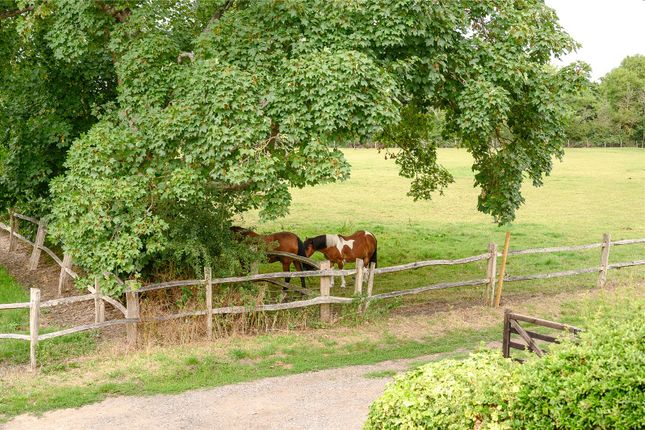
(318, 242)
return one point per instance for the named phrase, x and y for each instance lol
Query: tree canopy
(152, 114)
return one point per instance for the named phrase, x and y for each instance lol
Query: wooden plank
(15, 336)
(491, 273)
(545, 323)
(325, 289)
(540, 336)
(117, 305)
(208, 276)
(27, 218)
(627, 242)
(300, 258)
(502, 271)
(604, 260)
(428, 288)
(420, 264)
(555, 249)
(358, 279)
(625, 264)
(86, 327)
(550, 275)
(51, 254)
(132, 314)
(34, 319)
(172, 284)
(38, 243)
(516, 345)
(22, 305)
(524, 335)
(67, 300)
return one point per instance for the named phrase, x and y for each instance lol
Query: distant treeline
(612, 112)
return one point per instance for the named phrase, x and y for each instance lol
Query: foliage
(595, 382)
(226, 104)
(612, 112)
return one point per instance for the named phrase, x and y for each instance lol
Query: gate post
(604, 260)
(34, 320)
(132, 312)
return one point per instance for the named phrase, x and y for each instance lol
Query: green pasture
(592, 191)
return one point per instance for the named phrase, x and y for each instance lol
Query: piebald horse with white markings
(338, 249)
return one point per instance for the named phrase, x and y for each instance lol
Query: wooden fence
(530, 338)
(323, 299)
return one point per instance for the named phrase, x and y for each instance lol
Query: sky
(609, 30)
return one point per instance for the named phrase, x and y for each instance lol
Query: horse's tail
(301, 252)
(373, 258)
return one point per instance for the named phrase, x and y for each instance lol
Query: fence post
(358, 280)
(62, 278)
(34, 317)
(502, 271)
(99, 304)
(491, 271)
(38, 243)
(325, 288)
(506, 337)
(208, 277)
(370, 284)
(13, 227)
(604, 260)
(132, 311)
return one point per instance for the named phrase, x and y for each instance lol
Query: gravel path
(328, 399)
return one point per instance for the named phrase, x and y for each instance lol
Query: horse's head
(309, 247)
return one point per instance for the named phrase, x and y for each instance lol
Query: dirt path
(328, 399)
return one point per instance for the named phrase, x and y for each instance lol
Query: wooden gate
(530, 338)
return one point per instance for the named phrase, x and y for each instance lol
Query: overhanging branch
(12, 13)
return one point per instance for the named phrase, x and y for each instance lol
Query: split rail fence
(324, 299)
(530, 338)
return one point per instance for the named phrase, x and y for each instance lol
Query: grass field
(591, 192)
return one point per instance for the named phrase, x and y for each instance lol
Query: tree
(221, 106)
(624, 90)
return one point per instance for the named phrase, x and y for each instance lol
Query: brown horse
(282, 241)
(339, 249)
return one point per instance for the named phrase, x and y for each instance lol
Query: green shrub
(595, 382)
(449, 395)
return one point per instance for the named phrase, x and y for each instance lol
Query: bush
(594, 382)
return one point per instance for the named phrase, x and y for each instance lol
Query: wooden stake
(64, 276)
(358, 280)
(34, 317)
(370, 284)
(506, 337)
(40, 241)
(502, 272)
(13, 228)
(208, 276)
(132, 302)
(491, 271)
(604, 260)
(325, 289)
(99, 304)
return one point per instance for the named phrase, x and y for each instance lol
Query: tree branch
(121, 15)
(218, 14)
(12, 13)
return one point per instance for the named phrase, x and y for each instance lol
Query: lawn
(592, 191)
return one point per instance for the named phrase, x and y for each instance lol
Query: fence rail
(322, 271)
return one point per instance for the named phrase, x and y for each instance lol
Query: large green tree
(221, 106)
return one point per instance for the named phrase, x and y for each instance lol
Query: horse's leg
(286, 267)
(299, 269)
(343, 284)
